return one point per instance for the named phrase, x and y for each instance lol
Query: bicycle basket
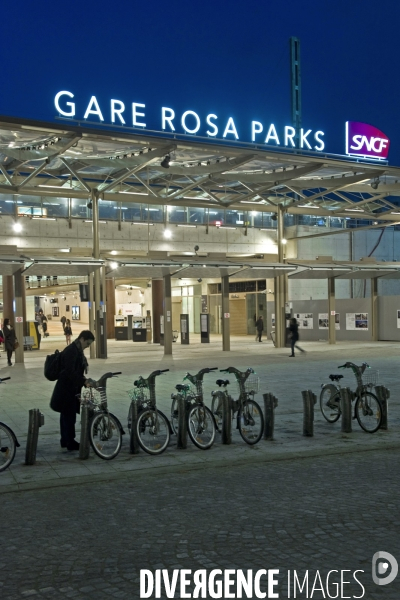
(93, 396)
(140, 394)
(370, 377)
(252, 384)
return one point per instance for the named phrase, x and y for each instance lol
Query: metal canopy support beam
(75, 174)
(34, 174)
(187, 188)
(331, 310)
(6, 175)
(295, 85)
(19, 311)
(374, 308)
(280, 288)
(167, 315)
(226, 341)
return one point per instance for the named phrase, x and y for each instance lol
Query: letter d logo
(380, 568)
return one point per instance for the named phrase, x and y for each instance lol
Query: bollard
(270, 403)
(309, 399)
(134, 446)
(345, 407)
(182, 424)
(84, 444)
(36, 420)
(383, 396)
(226, 426)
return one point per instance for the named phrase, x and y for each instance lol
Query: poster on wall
(131, 308)
(305, 320)
(323, 321)
(356, 321)
(398, 319)
(76, 313)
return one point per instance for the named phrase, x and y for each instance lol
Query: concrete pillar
(19, 326)
(280, 286)
(110, 302)
(167, 315)
(92, 347)
(226, 331)
(23, 294)
(374, 309)
(101, 342)
(8, 297)
(331, 309)
(157, 307)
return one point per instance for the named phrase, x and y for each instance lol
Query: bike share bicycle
(105, 429)
(200, 420)
(249, 417)
(152, 426)
(8, 442)
(367, 407)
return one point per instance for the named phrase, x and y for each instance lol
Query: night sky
(227, 58)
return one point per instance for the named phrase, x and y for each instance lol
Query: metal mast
(295, 86)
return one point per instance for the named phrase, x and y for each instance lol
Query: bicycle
(152, 427)
(105, 429)
(250, 419)
(367, 407)
(200, 420)
(8, 442)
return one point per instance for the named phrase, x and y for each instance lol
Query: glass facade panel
(79, 209)
(108, 210)
(177, 214)
(216, 217)
(197, 215)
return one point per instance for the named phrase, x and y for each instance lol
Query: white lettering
(117, 111)
(170, 587)
(157, 590)
(93, 111)
(272, 582)
(184, 583)
(215, 130)
(335, 584)
(146, 583)
(243, 584)
(167, 114)
(258, 593)
(230, 128)
(343, 582)
(272, 135)
(136, 114)
(359, 583)
(215, 587)
(200, 581)
(71, 113)
(305, 583)
(256, 127)
(303, 138)
(290, 132)
(314, 587)
(370, 144)
(228, 582)
(197, 119)
(317, 138)
(358, 141)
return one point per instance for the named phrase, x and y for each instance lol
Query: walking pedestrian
(67, 331)
(259, 327)
(65, 397)
(294, 336)
(10, 340)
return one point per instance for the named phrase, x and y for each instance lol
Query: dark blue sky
(228, 58)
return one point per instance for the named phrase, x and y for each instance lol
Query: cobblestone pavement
(90, 541)
(283, 377)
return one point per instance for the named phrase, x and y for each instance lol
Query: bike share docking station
(309, 400)
(270, 403)
(36, 420)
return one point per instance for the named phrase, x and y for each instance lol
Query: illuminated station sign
(366, 141)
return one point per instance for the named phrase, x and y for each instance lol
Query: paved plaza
(283, 376)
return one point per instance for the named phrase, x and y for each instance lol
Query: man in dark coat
(294, 336)
(65, 397)
(259, 327)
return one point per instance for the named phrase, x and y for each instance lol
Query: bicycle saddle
(182, 387)
(223, 382)
(335, 377)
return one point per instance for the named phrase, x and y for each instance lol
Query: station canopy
(67, 161)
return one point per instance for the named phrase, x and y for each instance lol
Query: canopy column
(226, 331)
(18, 318)
(280, 283)
(157, 307)
(8, 297)
(101, 344)
(110, 302)
(167, 315)
(92, 347)
(331, 310)
(374, 309)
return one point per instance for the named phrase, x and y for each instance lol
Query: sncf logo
(366, 141)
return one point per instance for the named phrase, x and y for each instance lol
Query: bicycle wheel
(153, 431)
(329, 401)
(251, 422)
(7, 447)
(105, 435)
(216, 409)
(368, 411)
(201, 426)
(174, 416)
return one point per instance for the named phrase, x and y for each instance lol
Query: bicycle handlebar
(241, 375)
(199, 375)
(142, 382)
(351, 365)
(4, 379)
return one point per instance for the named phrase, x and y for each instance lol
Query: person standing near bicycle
(294, 336)
(259, 327)
(72, 377)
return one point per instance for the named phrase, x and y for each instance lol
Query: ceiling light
(114, 265)
(113, 252)
(167, 234)
(354, 210)
(65, 249)
(165, 162)
(17, 227)
(283, 241)
(187, 226)
(375, 183)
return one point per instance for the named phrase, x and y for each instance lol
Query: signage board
(366, 141)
